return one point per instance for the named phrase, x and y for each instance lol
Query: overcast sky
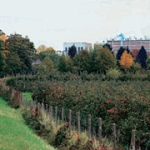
(52, 22)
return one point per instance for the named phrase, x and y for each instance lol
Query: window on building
(81, 48)
(78, 48)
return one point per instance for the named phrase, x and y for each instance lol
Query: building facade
(131, 44)
(79, 46)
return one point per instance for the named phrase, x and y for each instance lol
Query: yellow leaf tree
(43, 48)
(126, 60)
(46, 66)
(3, 37)
(51, 49)
(4, 48)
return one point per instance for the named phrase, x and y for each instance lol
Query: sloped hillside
(14, 134)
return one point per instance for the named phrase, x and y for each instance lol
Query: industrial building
(131, 44)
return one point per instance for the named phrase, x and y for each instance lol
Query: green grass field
(15, 134)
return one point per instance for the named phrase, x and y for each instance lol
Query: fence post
(70, 120)
(42, 108)
(89, 125)
(133, 140)
(20, 98)
(56, 115)
(114, 135)
(46, 110)
(34, 105)
(31, 105)
(62, 114)
(51, 113)
(78, 122)
(39, 112)
(93, 135)
(100, 131)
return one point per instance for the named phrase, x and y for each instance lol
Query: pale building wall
(79, 46)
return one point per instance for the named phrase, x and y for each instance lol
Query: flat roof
(76, 42)
(127, 40)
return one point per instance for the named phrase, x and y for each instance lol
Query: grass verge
(15, 134)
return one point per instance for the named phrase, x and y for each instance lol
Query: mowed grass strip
(15, 134)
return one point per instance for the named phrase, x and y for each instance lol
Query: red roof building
(132, 44)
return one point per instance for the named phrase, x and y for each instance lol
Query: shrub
(113, 74)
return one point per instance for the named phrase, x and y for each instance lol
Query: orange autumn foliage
(126, 60)
(3, 37)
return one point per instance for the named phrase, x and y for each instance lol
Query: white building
(79, 46)
(59, 52)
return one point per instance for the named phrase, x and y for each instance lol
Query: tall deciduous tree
(72, 51)
(4, 45)
(126, 60)
(3, 37)
(108, 46)
(51, 49)
(62, 64)
(82, 61)
(104, 60)
(51, 54)
(142, 57)
(65, 64)
(97, 46)
(119, 53)
(41, 48)
(21, 54)
(69, 64)
(46, 66)
(148, 62)
(2, 61)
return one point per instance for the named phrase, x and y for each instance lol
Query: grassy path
(14, 134)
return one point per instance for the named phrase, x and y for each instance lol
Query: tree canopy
(72, 51)
(21, 53)
(82, 61)
(97, 46)
(65, 64)
(2, 61)
(43, 48)
(142, 57)
(108, 46)
(148, 62)
(46, 66)
(104, 60)
(3, 37)
(119, 53)
(51, 54)
(126, 60)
